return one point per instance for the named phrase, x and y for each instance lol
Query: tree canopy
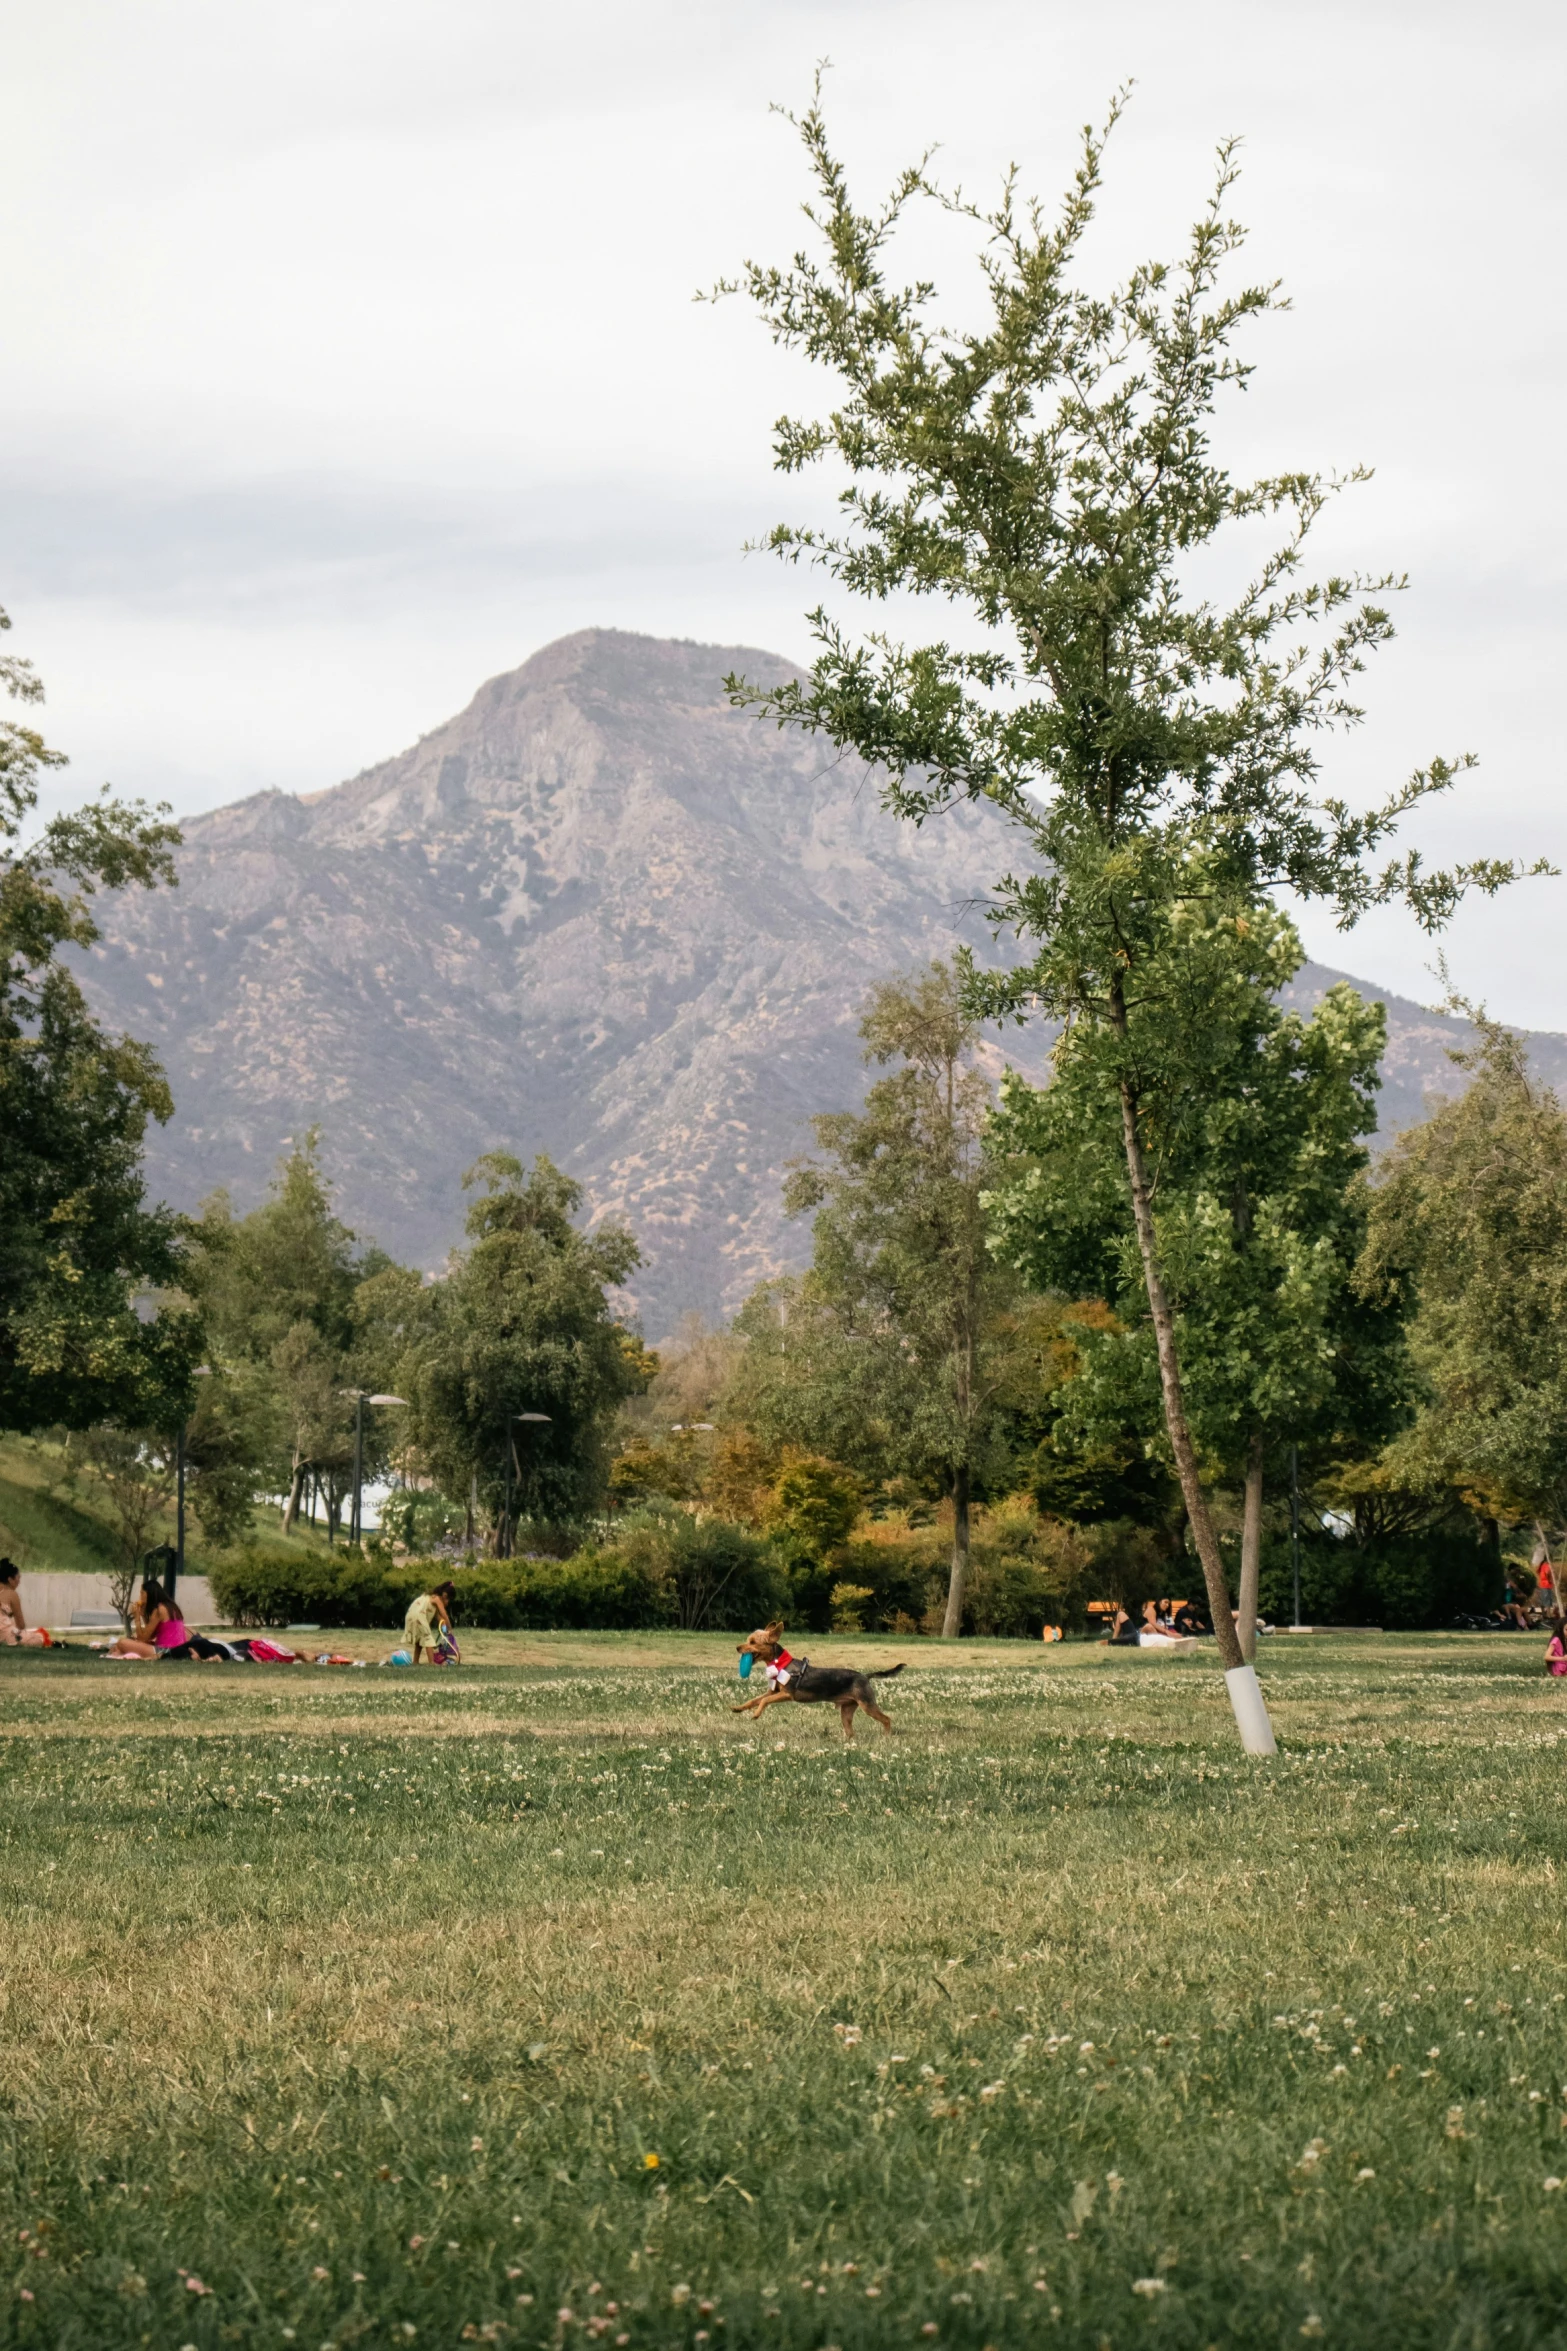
(1051, 473)
(523, 1324)
(1468, 1229)
(78, 1243)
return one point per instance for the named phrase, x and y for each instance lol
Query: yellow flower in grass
(650, 2163)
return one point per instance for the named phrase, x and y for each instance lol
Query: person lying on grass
(15, 1631)
(427, 1628)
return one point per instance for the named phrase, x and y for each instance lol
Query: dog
(795, 1680)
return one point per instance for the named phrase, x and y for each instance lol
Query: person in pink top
(154, 1625)
(1556, 1650)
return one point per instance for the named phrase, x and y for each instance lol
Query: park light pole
(361, 1397)
(203, 1371)
(512, 1419)
(1295, 1526)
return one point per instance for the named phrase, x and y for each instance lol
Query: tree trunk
(1251, 1715)
(957, 1582)
(296, 1494)
(1251, 1549)
(473, 1509)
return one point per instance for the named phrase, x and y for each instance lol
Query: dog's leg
(846, 1717)
(756, 1707)
(876, 1714)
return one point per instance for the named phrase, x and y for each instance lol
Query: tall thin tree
(1050, 472)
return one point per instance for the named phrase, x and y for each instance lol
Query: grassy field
(545, 2002)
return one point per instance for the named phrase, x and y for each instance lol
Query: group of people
(158, 1631)
(1161, 1625)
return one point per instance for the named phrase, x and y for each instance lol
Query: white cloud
(352, 353)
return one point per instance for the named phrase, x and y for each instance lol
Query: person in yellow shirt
(427, 1628)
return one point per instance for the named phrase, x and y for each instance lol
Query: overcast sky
(352, 353)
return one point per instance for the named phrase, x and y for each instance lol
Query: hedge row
(596, 1590)
(1405, 1584)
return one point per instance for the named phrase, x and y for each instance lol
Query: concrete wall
(50, 1599)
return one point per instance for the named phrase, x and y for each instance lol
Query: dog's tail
(884, 1673)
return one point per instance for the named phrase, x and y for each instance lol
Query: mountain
(600, 913)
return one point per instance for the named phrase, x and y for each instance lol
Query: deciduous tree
(1468, 1229)
(77, 1239)
(1256, 1166)
(1049, 470)
(894, 1352)
(524, 1323)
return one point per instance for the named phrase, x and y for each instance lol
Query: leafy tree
(894, 1348)
(1255, 1162)
(134, 1472)
(523, 1324)
(1468, 1228)
(281, 1291)
(77, 1241)
(1051, 472)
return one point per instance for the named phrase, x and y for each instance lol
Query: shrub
(1027, 1572)
(594, 1590)
(1410, 1583)
(715, 1574)
(894, 1566)
(848, 1607)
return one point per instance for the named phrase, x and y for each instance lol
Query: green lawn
(368, 2000)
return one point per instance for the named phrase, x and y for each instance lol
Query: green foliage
(1469, 1229)
(894, 1353)
(522, 1324)
(1050, 471)
(77, 1242)
(1254, 1145)
(593, 1589)
(814, 1505)
(1025, 1571)
(418, 1518)
(714, 1574)
(281, 1293)
(1405, 1585)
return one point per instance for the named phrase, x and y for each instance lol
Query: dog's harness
(783, 1669)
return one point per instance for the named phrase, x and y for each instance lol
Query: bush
(895, 1567)
(1026, 1572)
(714, 1574)
(261, 1587)
(594, 1590)
(1409, 1584)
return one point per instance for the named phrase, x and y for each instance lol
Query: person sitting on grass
(1556, 1649)
(427, 1628)
(1123, 1633)
(158, 1630)
(15, 1631)
(155, 1625)
(1157, 1630)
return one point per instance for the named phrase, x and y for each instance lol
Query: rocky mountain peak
(599, 913)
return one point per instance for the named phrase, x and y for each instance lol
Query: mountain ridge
(599, 912)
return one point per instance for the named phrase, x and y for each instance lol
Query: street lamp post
(1295, 1526)
(512, 1419)
(203, 1371)
(361, 1398)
